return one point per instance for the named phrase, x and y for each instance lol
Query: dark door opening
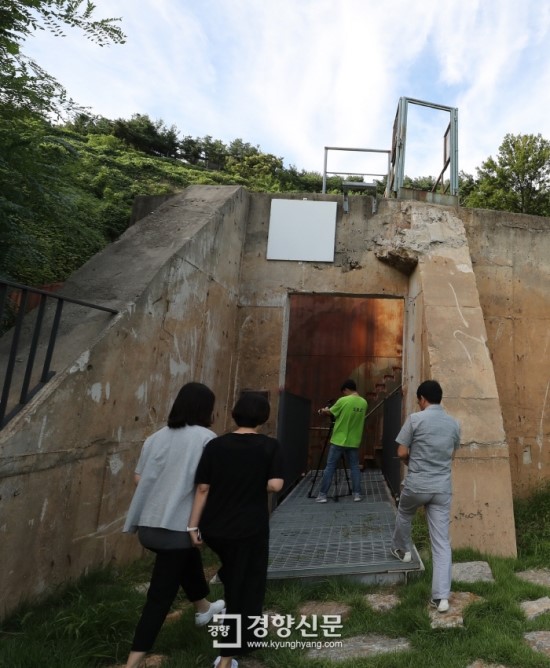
(334, 337)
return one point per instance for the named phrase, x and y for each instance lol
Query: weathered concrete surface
(454, 617)
(199, 301)
(320, 608)
(446, 339)
(472, 571)
(511, 261)
(265, 286)
(539, 641)
(370, 644)
(538, 576)
(532, 609)
(67, 459)
(382, 601)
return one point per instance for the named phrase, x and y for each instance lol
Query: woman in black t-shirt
(230, 511)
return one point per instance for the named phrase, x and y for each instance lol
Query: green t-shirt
(349, 412)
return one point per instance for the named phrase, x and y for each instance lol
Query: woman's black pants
(173, 569)
(244, 574)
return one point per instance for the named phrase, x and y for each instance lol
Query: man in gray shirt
(427, 443)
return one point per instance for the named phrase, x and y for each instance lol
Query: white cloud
(296, 75)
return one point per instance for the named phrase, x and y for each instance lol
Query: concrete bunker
(197, 298)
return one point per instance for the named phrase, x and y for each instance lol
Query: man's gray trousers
(438, 509)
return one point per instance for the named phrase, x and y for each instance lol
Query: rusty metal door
(334, 337)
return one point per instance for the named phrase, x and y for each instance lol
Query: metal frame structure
(361, 150)
(396, 157)
(396, 173)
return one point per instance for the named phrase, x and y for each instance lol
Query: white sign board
(301, 230)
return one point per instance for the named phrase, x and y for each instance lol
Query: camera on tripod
(328, 404)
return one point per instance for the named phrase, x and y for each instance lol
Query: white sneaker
(403, 556)
(441, 604)
(321, 499)
(202, 618)
(357, 497)
(234, 662)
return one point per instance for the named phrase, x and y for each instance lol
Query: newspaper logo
(221, 629)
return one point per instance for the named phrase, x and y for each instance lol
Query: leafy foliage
(38, 237)
(533, 522)
(67, 190)
(517, 180)
(23, 83)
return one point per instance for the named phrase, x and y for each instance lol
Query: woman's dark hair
(251, 410)
(431, 391)
(193, 405)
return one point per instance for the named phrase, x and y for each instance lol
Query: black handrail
(381, 403)
(26, 394)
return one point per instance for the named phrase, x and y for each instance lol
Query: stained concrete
(539, 641)
(533, 609)
(446, 339)
(538, 576)
(357, 647)
(454, 617)
(511, 261)
(472, 571)
(198, 301)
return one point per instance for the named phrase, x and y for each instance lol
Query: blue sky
(294, 76)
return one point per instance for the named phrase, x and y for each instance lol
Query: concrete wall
(511, 260)
(67, 459)
(199, 301)
(446, 339)
(265, 286)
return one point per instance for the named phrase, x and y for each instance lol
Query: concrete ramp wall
(67, 459)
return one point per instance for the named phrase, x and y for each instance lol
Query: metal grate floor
(336, 538)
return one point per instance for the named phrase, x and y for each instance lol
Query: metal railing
(382, 402)
(16, 310)
(360, 150)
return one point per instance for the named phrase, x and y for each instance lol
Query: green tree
(214, 153)
(419, 183)
(39, 216)
(191, 149)
(517, 180)
(23, 83)
(152, 137)
(239, 149)
(466, 185)
(88, 124)
(43, 225)
(256, 165)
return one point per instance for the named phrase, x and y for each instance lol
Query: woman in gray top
(159, 513)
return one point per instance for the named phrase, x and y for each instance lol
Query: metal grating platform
(337, 538)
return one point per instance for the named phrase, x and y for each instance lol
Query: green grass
(91, 623)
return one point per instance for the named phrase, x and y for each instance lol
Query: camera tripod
(335, 480)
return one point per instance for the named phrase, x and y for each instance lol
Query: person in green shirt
(349, 419)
